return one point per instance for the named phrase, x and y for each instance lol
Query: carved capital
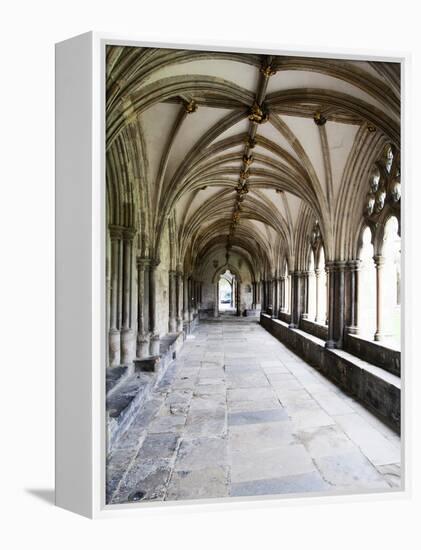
(379, 261)
(129, 233)
(153, 264)
(354, 265)
(116, 232)
(142, 262)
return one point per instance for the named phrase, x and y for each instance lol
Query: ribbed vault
(241, 154)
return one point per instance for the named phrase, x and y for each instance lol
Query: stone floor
(238, 414)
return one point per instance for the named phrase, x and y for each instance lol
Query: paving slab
(303, 483)
(257, 417)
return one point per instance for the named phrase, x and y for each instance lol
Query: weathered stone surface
(199, 438)
(302, 483)
(256, 417)
(350, 469)
(392, 473)
(204, 483)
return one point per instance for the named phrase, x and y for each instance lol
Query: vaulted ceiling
(238, 149)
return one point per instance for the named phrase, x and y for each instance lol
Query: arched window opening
(312, 290)
(321, 303)
(392, 281)
(227, 286)
(367, 288)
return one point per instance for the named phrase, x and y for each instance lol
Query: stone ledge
(375, 388)
(374, 352)
(129, 394)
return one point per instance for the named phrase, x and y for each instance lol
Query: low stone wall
(378, 390)
(320, 331)
(374, 352)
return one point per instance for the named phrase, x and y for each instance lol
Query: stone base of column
(179, 324)
(154, 345)
(304, 316)
(127, 346)
(172, 325)
(353, 330)
(142, 346)
(114, 347)
(379, 336)
(334, 344)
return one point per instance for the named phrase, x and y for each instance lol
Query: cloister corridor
(236, 414)
(253, 275)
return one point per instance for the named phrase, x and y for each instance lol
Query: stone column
(318, 317)
(127, 334)
(142, 341)
(185, 297)
(215, 307)
(282, 294)
(190, 297)
(193, 297)
(305, 282)
(153, 313)
(171, 302)
(114, 332)
(327, 295)
(238, 298)
(179, 300)
(295, 293)
(274, 298)
(354, 269)
(336, 304)
(380, 334)
(330, 304)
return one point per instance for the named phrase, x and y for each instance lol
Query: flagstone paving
(238, 414)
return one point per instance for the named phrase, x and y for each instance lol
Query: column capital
(354, 265)
(153, 264)
(142, 262)
(116, 232)
(335, 265)
(129, 233)
(379, 260)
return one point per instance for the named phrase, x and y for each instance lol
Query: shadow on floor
(47, 495)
